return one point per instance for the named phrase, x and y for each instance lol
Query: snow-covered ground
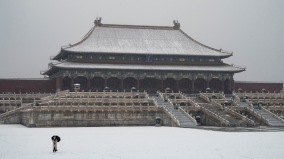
(19, 142)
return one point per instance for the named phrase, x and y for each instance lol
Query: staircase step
(271, 119)
(184, 121)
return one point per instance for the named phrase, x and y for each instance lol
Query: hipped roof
(137, 39)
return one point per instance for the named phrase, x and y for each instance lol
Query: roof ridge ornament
(98, 21)
(176, 24)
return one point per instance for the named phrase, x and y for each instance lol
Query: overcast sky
(33, 30)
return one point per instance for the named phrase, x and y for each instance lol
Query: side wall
(91, 118)
(258, 86)
(38, 85)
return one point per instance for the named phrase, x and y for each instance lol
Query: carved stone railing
(176, 121)
(222, 95)
(236, 97)
(189, 116)
(216, 116)
(192, 102)
(46, 99)
(6, 114)
(63, 93)
(244, 118)
(274, 115)
(183, 95)
(249, 104)
(204, 97)
(155, 102)
(268, 101)
(160, 94)
(258, 116)
(261, 95)
(216, 104)
(24, 95)
(92, 101)
(107, 94)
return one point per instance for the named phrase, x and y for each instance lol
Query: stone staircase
(241, 103)
(270, 118)
(233, 120)
(184, 121)
(10, 114)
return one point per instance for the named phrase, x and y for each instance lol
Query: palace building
(150, 58)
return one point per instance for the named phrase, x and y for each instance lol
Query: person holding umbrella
(55, 139)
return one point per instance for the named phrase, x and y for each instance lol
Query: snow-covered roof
(25, 79)
(72, 65)
(135, 39)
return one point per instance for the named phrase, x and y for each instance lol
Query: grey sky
(32, 30)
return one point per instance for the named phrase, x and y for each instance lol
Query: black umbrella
(55, 137)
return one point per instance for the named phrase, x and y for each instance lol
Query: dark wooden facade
(148, 83)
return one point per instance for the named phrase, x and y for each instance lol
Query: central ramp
(184, 120)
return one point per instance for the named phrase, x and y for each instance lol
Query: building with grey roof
(149, 58)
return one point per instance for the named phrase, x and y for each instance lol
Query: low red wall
(29, 85)
(258, 86)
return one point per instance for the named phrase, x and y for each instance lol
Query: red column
(89, 83)
(230, 86)
(192, 86)
(223, 85)
(72, 84)
(162, 85)
(138, 84)
(105, 82)
(207, 83)
(177, 85)
(121, 84)
(58, 83)
(233, 85)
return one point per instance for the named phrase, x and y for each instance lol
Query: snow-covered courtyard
(19, 142)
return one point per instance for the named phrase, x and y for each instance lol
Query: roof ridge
(137, 26)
